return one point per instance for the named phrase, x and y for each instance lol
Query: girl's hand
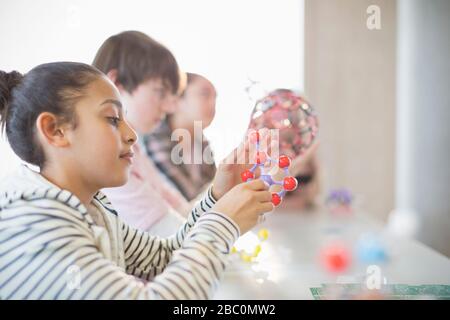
(229, 171)
(244, 204)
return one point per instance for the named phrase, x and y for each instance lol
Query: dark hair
(51, 87)
(137, 58)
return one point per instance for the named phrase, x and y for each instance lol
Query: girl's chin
(119, 180)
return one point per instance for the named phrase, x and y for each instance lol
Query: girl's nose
(130, 135)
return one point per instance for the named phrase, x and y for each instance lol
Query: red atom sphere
(247, 174)
(289, 183)
(276, 199)
(284, 162)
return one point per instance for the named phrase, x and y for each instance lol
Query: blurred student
(192, 168)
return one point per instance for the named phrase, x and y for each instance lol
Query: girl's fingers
(264, 196)
(257, 185)
(265, 207)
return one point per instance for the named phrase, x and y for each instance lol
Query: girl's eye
(114, 121)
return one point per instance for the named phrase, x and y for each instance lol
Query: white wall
(350, 77)
(228, 41)
(423, 162)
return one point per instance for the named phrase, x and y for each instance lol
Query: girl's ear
(50, 132)
(112, 75)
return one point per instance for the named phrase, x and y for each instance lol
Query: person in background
(148, 79)
(194, 113)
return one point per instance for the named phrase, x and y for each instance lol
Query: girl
(59, 236)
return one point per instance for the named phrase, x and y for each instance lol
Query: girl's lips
(128, 156)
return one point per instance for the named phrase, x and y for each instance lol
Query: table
(288, 265)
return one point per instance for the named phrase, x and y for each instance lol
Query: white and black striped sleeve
(147, 255)
(49, 252)
(194, 270)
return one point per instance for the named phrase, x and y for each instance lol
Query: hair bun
(8, 80)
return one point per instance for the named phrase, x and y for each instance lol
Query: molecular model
(371, 250)
(288, 183)
(263, 235)
(339, 201)
(291, 114)
(335, 257)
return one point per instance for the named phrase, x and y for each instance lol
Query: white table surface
(288, 266)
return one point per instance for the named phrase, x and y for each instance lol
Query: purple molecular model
(289, 183)
(339, 201)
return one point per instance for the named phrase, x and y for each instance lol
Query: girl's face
(148, 104)
(101, 143)
(199, 101)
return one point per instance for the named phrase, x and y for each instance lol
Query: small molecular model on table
(288, 183)
(339, 201)
(335, 257)
(263, 235)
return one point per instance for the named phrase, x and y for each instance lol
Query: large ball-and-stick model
(297, 123)
(292, 114)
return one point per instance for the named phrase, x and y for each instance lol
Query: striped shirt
(51, 248)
